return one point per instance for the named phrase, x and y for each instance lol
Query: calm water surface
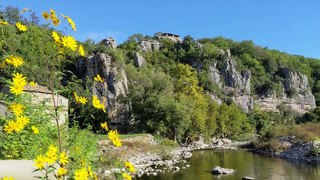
(246, 164)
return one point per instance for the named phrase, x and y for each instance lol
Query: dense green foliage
(170, 94)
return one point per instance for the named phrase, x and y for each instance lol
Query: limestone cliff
(296, 92)
(114, 87)
(233, 83)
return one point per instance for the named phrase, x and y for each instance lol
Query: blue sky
(292, 26)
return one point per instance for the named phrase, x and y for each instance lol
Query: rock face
(109, 42)
(300, 98)
(235, 80)
(114, 87)
(230, 81)
(138, 60)
(214, 75)
(149, 45)
(237, 86)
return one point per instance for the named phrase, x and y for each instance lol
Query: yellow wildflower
(129, 166)
(40, 161)
(35, 129)
(52, 12)
(52, 154)
(16, 61)
(10, 127)
(55, 21)
(90, 171)
(63, 158)
(80, 99)
(70, 21)
(98, 78)
(62, 171)
(45, 15)
(23, 120)
(18, 84)
(21, 27)
(114, 138)
(19, 126)
(97, 104)
(16, 108)
(7, 178)
(81, 174)
(32, 83)
(19, 79)
(81, 50)
(72, 24)
(16, 90)
(55, 36)
(126, 176)
(54, 18)
(4, 23)
(69, 42)
(76, 95)
(104, 126)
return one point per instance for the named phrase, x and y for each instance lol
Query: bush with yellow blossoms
(34, 130)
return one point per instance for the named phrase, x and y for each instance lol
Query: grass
(122, 136)
(303, 132)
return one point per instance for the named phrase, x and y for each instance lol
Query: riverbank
(290, 148)
(152, 157)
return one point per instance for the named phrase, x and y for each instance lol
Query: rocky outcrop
(109, 42)
(149, 45)
(138, 60)
(230, 81)
(214, 75)
(296, 94)
(233, 80)
(114, 87)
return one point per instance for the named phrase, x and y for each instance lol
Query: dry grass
(304, 132)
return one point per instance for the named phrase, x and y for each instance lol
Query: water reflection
(246, 164)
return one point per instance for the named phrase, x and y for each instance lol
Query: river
(246, 164)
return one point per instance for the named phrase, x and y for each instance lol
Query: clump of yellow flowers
(55, 160)
(45, 162)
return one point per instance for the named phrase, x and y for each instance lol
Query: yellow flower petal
(21, 27)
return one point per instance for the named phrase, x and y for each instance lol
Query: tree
(11, 14)
(186, 81)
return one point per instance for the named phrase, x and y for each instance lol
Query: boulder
(138, 60)
(219, 170)
(186, 154)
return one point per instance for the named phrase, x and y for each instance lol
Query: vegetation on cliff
(171, 94)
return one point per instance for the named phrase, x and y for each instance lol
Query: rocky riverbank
(292, 149)
(151, 158)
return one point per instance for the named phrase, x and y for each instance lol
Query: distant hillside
(178, 88)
